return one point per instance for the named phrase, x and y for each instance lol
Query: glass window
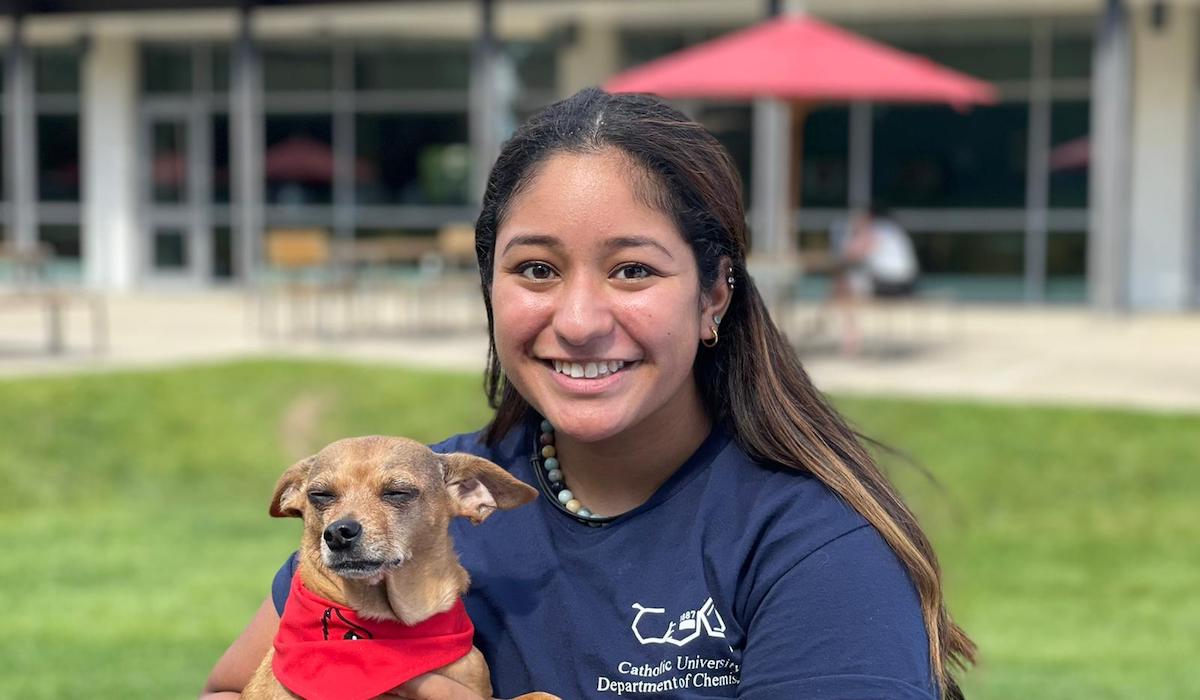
(63, 240)
(56, 69)
(221, 169)
(536, 63)
(168, 170)
(220, 66)
(297, 68)
(933, 156)
(166, 69)
(170, 249)
(299, 158)
(222, 252)
(1066, 254)
(412, 159)
(971, 253)
(990, 49)
(413, 66)
(1070, 149)
(1071, 56)
(826, 160)
(58, 157)
(732, 125)
(1066, 266)
(639, 46)
(990, 58)
(973, 266)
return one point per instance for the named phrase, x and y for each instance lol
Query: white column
(771, 214)
(1109, 189)
(246, 131)
(593, 57)
(20, 140)
(1163, 168)
(487, 108)
(771, 259)
(110, 161)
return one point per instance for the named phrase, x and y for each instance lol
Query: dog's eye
(399, 497)
(320, 498)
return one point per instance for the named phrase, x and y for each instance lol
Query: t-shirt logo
(712, 668)
(689, 626)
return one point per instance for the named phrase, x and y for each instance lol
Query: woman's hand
(431, 686)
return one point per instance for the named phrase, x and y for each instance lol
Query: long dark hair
(752, 379)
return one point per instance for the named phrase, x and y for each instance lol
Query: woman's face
(596, 301)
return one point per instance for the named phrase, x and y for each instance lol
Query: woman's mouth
(589, 369)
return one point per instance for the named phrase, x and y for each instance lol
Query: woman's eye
(536, 271)
(633, 271)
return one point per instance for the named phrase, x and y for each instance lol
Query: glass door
(178, 241)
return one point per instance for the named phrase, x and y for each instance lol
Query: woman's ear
(714, 302)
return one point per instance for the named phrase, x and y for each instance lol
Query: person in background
(875, 259)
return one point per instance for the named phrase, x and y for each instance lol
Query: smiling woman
(738, 540)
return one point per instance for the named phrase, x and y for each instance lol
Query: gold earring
(711, 343)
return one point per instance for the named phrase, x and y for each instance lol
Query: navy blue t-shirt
(735, 579)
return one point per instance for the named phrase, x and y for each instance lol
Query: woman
(710, 526)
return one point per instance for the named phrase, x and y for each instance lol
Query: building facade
(153, 148)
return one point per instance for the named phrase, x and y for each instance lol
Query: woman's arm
(241, 659)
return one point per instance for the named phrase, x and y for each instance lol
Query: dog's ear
(478, 487)
(288, 501)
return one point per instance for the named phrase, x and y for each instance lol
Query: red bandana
(323, 650)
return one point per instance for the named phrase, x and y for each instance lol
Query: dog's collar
(325, 650)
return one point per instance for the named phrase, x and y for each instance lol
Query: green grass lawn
(134, 512)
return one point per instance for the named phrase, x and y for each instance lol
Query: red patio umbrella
(800, 58)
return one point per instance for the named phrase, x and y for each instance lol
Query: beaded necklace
(550, 476)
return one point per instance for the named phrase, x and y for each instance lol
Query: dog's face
(374, 503)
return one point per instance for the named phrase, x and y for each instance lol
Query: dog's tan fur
(404, 496)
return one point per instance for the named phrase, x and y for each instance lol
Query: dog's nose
(342, 534)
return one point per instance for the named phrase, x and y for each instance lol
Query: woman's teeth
(590, 370)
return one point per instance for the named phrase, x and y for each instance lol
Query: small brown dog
(376, 551)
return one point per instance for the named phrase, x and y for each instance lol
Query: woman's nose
(584, 313)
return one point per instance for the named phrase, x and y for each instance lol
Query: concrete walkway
(1037, 354)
